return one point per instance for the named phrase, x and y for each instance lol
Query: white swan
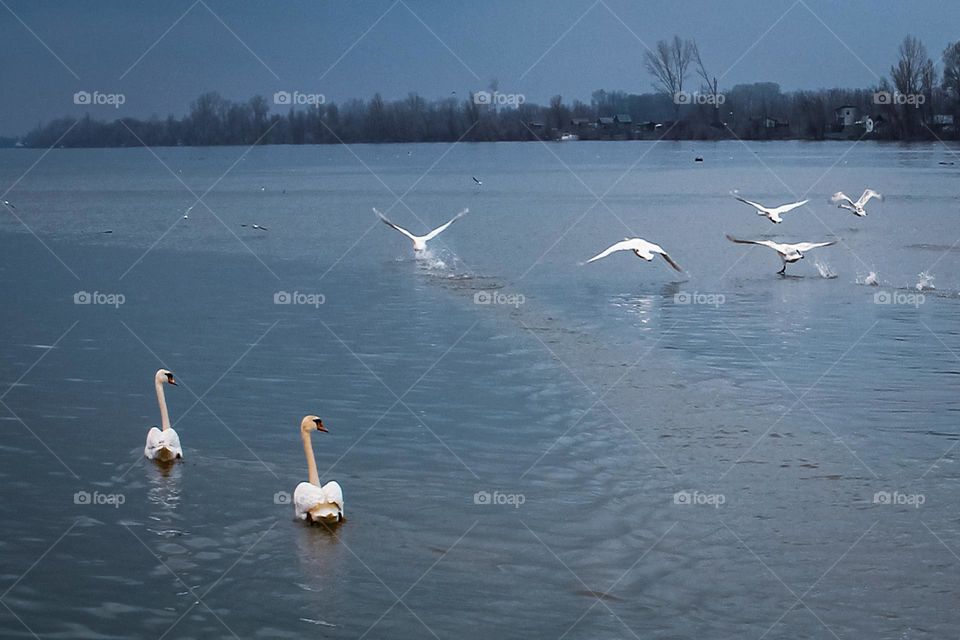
(420, 242)
(640, 247)
(789, 253)
(163, 445)
(772, 213)
(857, 208)
(311, 502)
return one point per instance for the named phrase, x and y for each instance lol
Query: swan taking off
(311, 502)
(420, 242)
(163, 444)
(789, 253)
(640, 247)
(772, 213)
(857, 208)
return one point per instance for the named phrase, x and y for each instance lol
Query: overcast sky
(161, 55)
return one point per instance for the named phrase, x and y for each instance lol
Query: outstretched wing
(867, 194)
(789, 207)
(753, 204)
(397, 227)
(806, 246)
(763, 243)
(629, 244)
(669, 260)
(839, 197)
(433, 234)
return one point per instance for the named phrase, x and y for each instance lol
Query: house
(648, 126)
(605, 122)
(623, 119)
(846, 115)
(943, 121)
(581, 123)
(772, 123)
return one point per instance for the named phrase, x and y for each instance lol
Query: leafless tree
(912, 76)
(669, 65)
(710, 82)
(951, 71)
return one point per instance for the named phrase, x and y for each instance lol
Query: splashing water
(871, 279)
(825, 270)
(925, 282)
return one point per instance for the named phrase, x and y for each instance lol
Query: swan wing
(807, 246)
(839, 197)
(776, 246)
(158, 440)
(867, 194)
(395, 226)
(755, 205)
(629, 244)
(305, 497)
(318, 503)
(789, 207)
(433, 234)
(334, 494)
(669, 260)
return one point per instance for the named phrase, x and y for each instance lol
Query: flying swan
(857, 208)
(163, 445)
(772, 213)
(311, 502)
(420, 242)
(640, 247)
(789, 253)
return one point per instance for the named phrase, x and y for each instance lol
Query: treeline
(917, 102)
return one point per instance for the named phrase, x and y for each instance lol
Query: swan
(857, 208)
(420, 242)
(479, 182)
(163, 445)
(789, 253)
(640, 247)
(772, 213)
(311, 502)
(7, 203)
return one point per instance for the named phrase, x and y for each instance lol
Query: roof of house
(623, 118)
(605, 120)
(845, 106)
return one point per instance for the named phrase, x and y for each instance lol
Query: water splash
(871, 279)
(825, 270)
(925, 283)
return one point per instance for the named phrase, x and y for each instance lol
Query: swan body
(163, 444)
(843, 201)
(313, 502)
(640, 247)
(771, 213)
(420, 242)
(789, 253)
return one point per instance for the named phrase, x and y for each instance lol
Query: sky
(161, 55)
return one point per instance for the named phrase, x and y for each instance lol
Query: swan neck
(313, 477)
(162, 401)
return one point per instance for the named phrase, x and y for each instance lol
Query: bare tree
(912, 77)
(669, 65)
(710, 82)
(951, 72)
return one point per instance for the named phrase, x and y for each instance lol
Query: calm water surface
(523, 469)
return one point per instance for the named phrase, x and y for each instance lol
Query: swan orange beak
(320, 426)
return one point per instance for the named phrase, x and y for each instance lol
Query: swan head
(165, 375)
(311, 423)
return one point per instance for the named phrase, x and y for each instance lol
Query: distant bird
(263, 188)
(420, 242)
(477, 181)
(698, 159)
(186, 215)
(857, 208)
(772, 213)
(640, 247)
(7, 203)
(256, 226)
(789, 253)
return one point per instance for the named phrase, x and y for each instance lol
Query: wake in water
(870, 280)
(825, 271)
(442, 263)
